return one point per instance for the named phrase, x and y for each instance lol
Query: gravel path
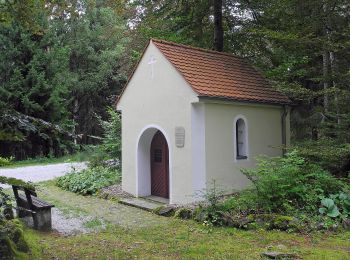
(42, 172)
(79, 209)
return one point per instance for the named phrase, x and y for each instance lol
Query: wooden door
(159, 166)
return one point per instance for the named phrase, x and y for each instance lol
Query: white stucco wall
(162, 101)
(264, 138)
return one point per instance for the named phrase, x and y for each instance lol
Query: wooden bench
(28, 204)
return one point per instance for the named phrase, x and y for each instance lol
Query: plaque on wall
(179, 136)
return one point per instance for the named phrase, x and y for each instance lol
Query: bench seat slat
(38, 203)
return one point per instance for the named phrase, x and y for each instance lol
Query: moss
(12, 242)
(274, 221)
(158, 209)
(183, 213)
(16, 182)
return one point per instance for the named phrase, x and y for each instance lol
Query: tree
(218, 30)
(61, 67)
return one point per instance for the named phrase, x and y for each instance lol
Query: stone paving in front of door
(98, 208)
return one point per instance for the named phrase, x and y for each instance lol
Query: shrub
(5, 161)
(89, 181)
(111, 141)
(288, 193)
(12, 243)
(285, 184)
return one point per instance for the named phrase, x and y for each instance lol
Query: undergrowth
(90, 180)
(288, 193)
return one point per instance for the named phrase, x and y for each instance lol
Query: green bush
(12, 243)
(90, 180)
(289, 183)
(5, 161)
(111, 141)
(292, 187)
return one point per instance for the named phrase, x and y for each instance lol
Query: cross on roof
(151, 62)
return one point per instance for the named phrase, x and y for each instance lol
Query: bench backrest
(28, 193)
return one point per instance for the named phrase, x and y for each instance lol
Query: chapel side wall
(163, 101)
(264, 138)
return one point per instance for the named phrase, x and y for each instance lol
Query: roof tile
(218, 74)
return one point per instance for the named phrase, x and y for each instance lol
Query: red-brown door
(159, 166)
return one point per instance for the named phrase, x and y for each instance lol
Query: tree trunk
(75, 119)
(218, 30)
(325, 57)
(333, 72)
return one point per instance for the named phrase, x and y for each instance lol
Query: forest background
(63, 63)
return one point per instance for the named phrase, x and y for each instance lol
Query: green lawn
(159, 237)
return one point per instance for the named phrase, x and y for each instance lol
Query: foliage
(111, 141)
(17, 182)
(112, 134)
(12, 241)
(5, 206)
(329, 208)
(62, 63)
(337, 205)
(289, 183)
(6, 161)
(287, 193)
(331, 155)
(89, 181)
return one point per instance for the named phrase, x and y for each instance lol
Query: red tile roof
(220, 75)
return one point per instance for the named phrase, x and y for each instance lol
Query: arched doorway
(145, 157)
(159, 166)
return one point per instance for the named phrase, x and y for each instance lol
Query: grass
(77, 157)
(183, 239)
(168, 237)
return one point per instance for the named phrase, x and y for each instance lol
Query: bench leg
(42, 220)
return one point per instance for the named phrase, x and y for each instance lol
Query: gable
(155, 79)
(212, 74)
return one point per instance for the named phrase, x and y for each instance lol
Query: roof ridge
(196, 48)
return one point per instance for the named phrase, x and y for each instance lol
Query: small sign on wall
(179, 136)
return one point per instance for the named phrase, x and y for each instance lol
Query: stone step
(141, 203)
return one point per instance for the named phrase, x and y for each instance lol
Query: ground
(109, 230)
(119, 231)
(39, 173)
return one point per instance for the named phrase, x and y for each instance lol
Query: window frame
(236, 156)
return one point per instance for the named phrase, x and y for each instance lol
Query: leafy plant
(213, 197)
(90, 180)
(336, 205)
(285, 195)
(284, 184)
(112, 134)
(329, 208)
(6, 161)
(110, 149)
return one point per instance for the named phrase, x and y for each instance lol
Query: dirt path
(42, 172)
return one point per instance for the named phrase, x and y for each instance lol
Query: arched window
(241, 139)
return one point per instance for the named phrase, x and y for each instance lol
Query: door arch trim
(142, 161)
